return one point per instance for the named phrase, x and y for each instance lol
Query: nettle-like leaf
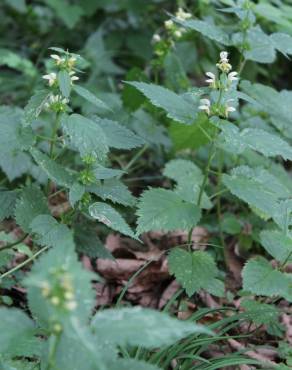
(103, 173)
(148, 328)
(91, 98)
(260, 278)
(176, 106)
(283, 215)
(274, 103)
(17, 334)
(260, 189)
(76, 193)
(7, 202)
(282, 42)
(261, 48)
(114, 190)
(207, 29)
(35, 106)
(260, 313)
(161, 209)
(189, 180)
(31, 204)
(118, 136)
(59, 174)
(262, 141)
(194, 271)
(54, 269)
(86, 136)
(51, 233)
(277, 244)
(107, 215)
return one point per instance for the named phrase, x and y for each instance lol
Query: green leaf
(103, 173)
(76, 193)
(161, 209)
(175, 106)
(115, 191)
(260, 278)
(262, 141)
(31, 204)
(64, 81)
(193, 136)
(59, 270)
(51, 233)
(35, 106)
(117, 136)
(70, 14)
(207, 29)
(91, 98)
(230, 224)
(260, 313)
(15, 165)
(86, 136)
(193, 270)
(17, 62)
(7, 203)
(257, 187)
(88, 243)
(17, 331)
(277, 244)
(282, 42)
(59, 174)
(110, 217)
(141, 327)
(131, 364)
(261, 48)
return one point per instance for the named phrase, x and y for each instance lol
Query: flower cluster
(61, 294)
(170, 26)
(221, 83)
(56, 103)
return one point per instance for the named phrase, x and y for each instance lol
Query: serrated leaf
(55, 268)
(260, 278)
(15, 165)
(35, 106)
(257, 187)
(31, 204)
(261, 48)
(277, 244)
(88, 242)
(207, 29)
(260, 313)
(282, 42)
(117, 136)
(7, 203)
(141, 327)
(175, 106)
(161, 209)
(115, 191)
(76, 193)
(64, 82)
(17, 331)
(51, 233)
(193, 270)
(86, 136)
(103, 173)
(262, 141)
(110, 217)
(59, 174)
(91, 98)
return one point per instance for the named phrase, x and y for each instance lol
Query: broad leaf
(64, 81)
(91, 98)
(277, 244)
(7, 203)
(35, 106)
(161, 209)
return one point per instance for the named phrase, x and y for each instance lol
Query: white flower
(156, 38)
(224, 56)
(73, 78)
(182, 15)
(232, 76)
(212, 79)
(205, 105)
(58, 59)
(71, 305)
(229, 109)
(51, 77)
(168, 24)
(178, 34)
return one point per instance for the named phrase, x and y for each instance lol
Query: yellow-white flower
(205, 105)
(224, 64)
(224, 57)
(73, 77)
(178, 34)
(71, 305)
(51, 77)
(182, 15)
(156, 38)
(168, 24)
(212, 79)
(58, 60)
(228, 108)
(232, 76)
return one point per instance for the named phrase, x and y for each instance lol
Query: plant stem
(53, 347)
(52, 144)
(135, 158)
(8, 246)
